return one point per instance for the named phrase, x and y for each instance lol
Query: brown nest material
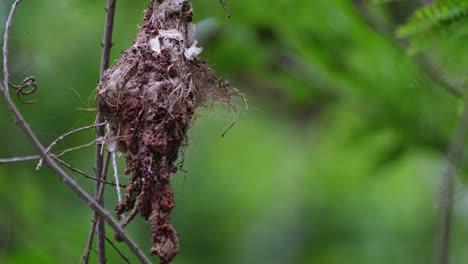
(148, 99)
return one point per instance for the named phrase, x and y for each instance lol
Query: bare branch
(447, 185)
(108, 30)
(105, 58)
(19, 159)
(18, 118)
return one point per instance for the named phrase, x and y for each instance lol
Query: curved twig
(22, 89)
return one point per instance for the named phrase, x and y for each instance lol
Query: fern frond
(441, 35)
(433, 16)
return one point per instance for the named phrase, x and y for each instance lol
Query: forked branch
(72, 132)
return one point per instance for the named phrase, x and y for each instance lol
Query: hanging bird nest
(148, 99)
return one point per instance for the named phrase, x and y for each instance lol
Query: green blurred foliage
(336, 160)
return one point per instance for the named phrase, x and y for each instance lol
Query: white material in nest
(164, 38)
(179, 2)
(155, 45)
(171, 34)
(193, 51)
(112, 146)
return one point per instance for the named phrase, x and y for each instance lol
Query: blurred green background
(336, 160)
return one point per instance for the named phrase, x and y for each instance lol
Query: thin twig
(6, 74)
(100, 200)
(226, 9)
(69, 166)
(118, 250)
(62, 137)
(18, 118)
(227, 130)
(19, 159)
(132, 214)
(89, 241)
(75, 148)
(84, 174)
(447, 186)
(107, 39)
(105, 58)
(94, 222)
